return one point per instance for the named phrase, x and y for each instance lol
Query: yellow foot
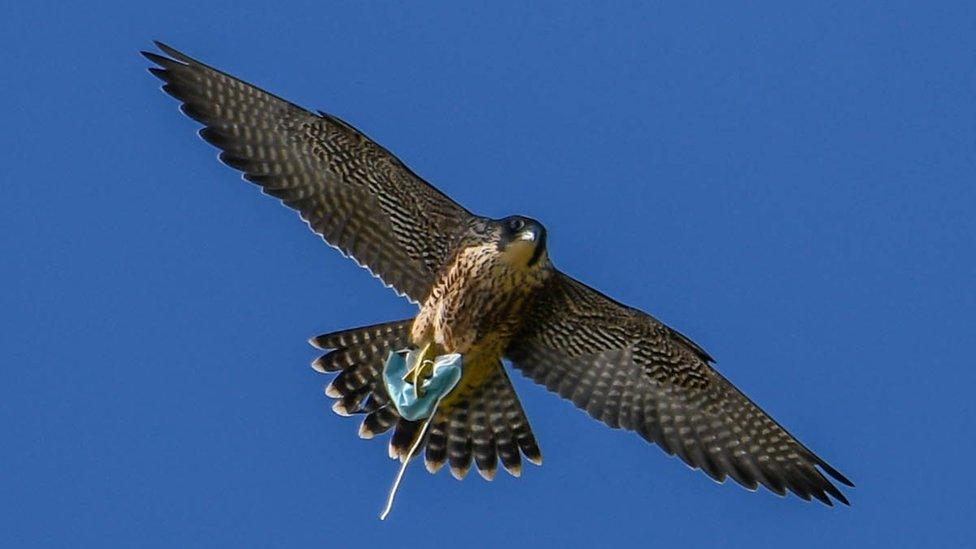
(421, 369)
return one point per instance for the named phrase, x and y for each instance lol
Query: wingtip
(156, 58)
(170, 51)
(835, 474)
(158, 72)
(822, 497)
(834, 492)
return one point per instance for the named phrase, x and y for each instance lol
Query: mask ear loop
(403, 467)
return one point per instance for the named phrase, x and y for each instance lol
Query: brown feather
(351, 191)
(627, 369)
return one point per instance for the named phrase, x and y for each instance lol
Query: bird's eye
(516, 224)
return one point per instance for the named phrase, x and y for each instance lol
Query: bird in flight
(486, 290)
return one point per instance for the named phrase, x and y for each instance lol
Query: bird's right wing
(351, 191)
(629, 370)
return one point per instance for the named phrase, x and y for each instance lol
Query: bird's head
(522, 241)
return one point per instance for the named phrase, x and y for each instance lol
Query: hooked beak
(529, 235)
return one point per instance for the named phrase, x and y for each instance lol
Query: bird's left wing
(629, 370)
(351, 191)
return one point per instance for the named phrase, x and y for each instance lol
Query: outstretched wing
(629, 370)
(349, 190)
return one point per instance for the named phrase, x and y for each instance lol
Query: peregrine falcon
(486, 289)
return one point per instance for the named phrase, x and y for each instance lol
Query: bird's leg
(421, 369)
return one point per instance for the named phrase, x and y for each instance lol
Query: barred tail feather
(358, 356)
(485, 425)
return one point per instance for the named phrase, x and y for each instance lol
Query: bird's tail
(483, 420)
(358, 355)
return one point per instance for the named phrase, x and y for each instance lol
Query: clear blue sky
(790, 186)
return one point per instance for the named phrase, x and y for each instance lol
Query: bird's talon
(421, 370)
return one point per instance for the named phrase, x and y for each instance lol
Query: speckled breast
(476, 303)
